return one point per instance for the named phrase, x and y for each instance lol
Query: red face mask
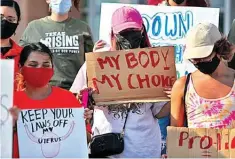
(37, 77)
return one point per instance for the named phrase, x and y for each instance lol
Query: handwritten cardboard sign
(200, 143)
(7, 80)
(165, 25)
(131, 75)
(52, 133)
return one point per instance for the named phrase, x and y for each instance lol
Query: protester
(36, 67)
(164, 122)
(209, 100)
(191, 3)
(10, 17)
(142, 133)
(68, 39)
(231, 38)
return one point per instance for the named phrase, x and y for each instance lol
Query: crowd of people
(50, 65)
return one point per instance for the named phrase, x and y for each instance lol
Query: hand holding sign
(15, 114)
(168, 92)
(100, 45)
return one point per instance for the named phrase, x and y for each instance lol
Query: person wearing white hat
(210, 91)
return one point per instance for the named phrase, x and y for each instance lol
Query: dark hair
(145, 40)
(28, 49)
(76, 4)
(144, 43)
(222, 48)
(192, 3)
(13, 4)
(197, 3)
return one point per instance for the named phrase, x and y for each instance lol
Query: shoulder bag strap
(186, 85)
(185, 91)
(124, 126)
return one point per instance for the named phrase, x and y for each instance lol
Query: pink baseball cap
(125, 18)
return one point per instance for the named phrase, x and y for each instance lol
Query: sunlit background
(90, 12)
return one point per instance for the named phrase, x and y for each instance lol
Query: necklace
(3, 121)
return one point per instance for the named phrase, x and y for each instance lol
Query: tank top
(210, 113)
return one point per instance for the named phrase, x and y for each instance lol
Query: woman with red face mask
(36, 67)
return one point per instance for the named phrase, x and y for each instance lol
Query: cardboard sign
(137, 75)
(7, 84)
(200, 143)
(52, 133)
(165, 25)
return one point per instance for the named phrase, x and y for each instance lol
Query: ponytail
(222, 48)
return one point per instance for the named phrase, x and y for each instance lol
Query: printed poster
(52, 133)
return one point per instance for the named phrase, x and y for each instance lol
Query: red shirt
(14, 53)
(59, 98)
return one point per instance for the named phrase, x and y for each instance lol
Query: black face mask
(7, 29)
(129, 40)
(178, 1)
(208, 67)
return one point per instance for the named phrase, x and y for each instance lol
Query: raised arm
(177, 103)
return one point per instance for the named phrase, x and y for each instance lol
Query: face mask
(129, 40)
(37, 77)
(61, 6)
(7, 29)
(208, 67)
(178, 1)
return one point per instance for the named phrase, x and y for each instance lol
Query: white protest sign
(165, 26)
(7, 84)
(52, 133)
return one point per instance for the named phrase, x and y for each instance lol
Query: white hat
(200, 41)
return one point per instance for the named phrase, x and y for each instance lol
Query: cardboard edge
(133, 101)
